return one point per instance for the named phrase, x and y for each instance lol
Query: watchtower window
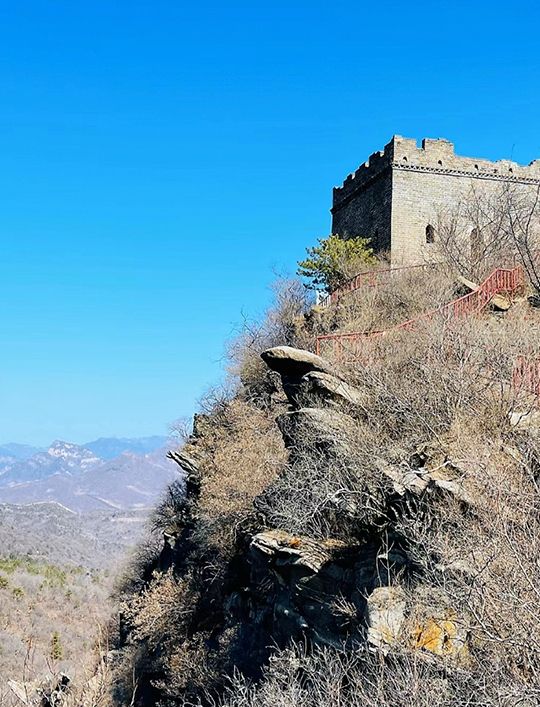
(430, 234)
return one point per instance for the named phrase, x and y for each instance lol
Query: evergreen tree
(334, 261)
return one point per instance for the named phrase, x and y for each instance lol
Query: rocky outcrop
(419, 481)
(317, 429)
(324, 389)
(333, 591)
(322, 558)
(294, 363)
(309, 380)
(313, 588)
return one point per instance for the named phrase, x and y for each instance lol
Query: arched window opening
(430, 234)
(405, 159)
(439, 162)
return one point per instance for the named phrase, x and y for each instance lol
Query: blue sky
(162, 160)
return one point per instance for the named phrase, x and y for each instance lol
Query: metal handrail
(367, 278)
(500, 280)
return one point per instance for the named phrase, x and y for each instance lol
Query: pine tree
(335, 260)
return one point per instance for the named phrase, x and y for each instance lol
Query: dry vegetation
(55, 588)
(402, 297)
(436, 401)
(50, 618)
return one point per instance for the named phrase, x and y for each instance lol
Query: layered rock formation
(325, 541)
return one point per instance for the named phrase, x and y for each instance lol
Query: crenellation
(377, 162)
(396, 194)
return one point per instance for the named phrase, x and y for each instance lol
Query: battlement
(434, 155)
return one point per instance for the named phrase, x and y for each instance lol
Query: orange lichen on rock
(441, 636)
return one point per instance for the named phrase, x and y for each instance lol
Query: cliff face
(342, 520)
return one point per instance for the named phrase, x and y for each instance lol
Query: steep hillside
(352, 534)
(72, 526)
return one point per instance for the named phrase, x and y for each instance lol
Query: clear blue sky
(160, 160)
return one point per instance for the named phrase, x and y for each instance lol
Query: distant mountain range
(109, 473)
(18, 451)
(110, 447)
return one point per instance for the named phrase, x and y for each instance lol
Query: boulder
(385, 613)
(294, 363)
(318, 429)
(323, 389)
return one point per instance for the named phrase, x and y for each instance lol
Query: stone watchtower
(396, 197)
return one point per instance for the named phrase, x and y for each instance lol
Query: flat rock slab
(292, 362)
(293, 549)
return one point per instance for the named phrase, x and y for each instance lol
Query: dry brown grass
(396, 299)
(437, 398)
(242, 455)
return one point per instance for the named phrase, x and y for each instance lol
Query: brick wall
(367, 211)
(399, 191)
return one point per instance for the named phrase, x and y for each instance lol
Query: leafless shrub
(482, 233)
(283, 324)
(396, 299)
(339, 678)
(242, 455)
(166, 515)
(217, 397)
(181, 430)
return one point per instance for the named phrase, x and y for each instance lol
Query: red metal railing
(372, 278)
(369, 278)
(501, 280)
(526, 375)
